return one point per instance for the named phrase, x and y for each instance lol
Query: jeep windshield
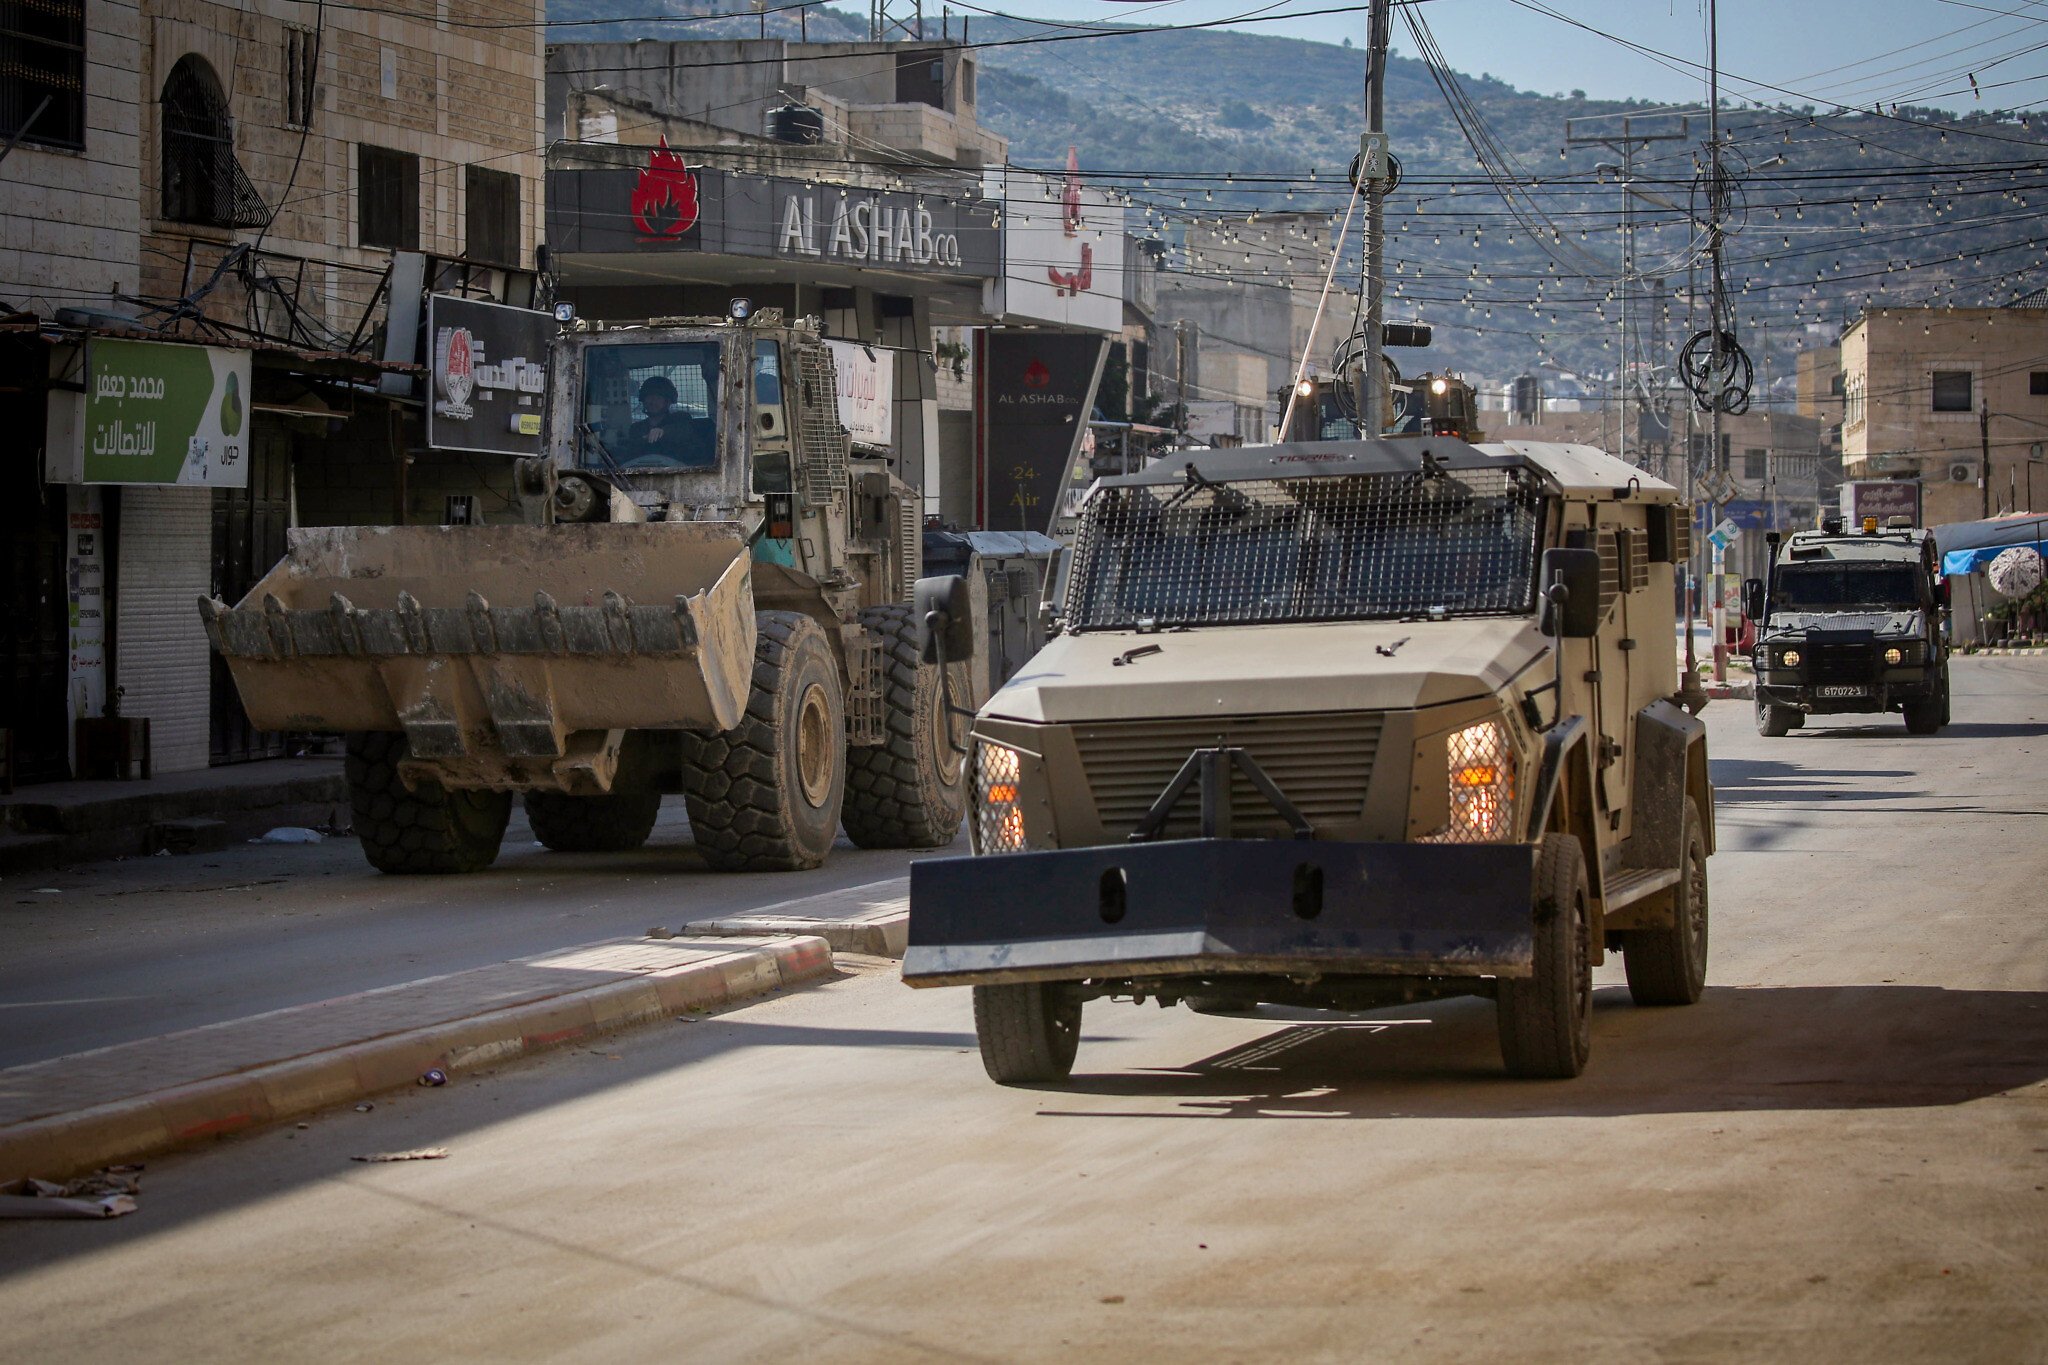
(1353, 547)
(1846, 587)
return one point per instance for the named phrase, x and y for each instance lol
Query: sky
(1827, 51)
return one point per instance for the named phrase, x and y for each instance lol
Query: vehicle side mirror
(1946, 585)
(945, 619)
(1753, 598)
(1571, 594)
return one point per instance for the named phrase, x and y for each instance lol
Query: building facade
(246, 196)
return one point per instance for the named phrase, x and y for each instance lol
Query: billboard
(1063, 253)
(488, 369)
(1036, 392)
(154, 412)
(867, 391)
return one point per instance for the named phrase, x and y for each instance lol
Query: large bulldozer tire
(428, 829)
(613, 823)
(765, 795)
(910, 791)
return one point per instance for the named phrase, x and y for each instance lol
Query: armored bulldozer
(1338, 724)
(710, 597)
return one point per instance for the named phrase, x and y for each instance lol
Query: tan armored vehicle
(711, 598)
(1339, 725)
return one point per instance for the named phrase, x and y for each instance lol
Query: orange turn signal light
(1476, 775)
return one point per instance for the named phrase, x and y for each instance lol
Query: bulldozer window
(651, 405)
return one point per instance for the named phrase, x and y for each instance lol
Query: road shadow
(1746, 780)
(1739, 1049)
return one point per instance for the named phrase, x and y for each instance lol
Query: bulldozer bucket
(497, 644)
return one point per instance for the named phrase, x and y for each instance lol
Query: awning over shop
(1968, 546)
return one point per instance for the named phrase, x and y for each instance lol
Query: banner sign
(1037, 390)
(158, 412)
(1063, 252)
(667, 206)
(867, 391)
(488, 368)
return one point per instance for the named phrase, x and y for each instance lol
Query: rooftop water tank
(796, 123)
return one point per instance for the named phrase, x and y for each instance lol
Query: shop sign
(867, 391)
(1063, 252)
(85, 571)
(1038, 388)
(864, 229)
(1881, 498)
(155, 412)
(488, 366)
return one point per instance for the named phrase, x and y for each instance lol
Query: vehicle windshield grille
(1355, 547)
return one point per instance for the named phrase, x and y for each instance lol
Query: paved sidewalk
(873, 919)
(68, 822)
(91, 1109)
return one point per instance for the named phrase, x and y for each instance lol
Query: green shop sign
(162, 413)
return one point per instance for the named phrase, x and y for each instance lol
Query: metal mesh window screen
(825, 445)
(1350, 547)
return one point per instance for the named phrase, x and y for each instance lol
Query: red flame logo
(665, 199)
(1036, 375)
(1069, 283)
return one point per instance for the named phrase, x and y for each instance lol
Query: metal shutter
(165, 558)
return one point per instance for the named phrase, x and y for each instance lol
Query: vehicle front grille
(1320, 762)
(1841, 664)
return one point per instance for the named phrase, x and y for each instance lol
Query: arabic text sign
(161, 413)
(867, 391)
(488, 375)
(1063, 254)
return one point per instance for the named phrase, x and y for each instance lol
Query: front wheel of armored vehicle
(1927, 717)
(1668, 966)
(1546, 1019)
(616, 822)
(765, 795)
(1028, 1032)
(428, 829)
(910, 791)
(1773, 721)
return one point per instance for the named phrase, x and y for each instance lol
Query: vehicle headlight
(1895, 656)
(998, 818)
(1790, 658)
(1480, 768)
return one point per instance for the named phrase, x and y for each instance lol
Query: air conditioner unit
(1962, 471)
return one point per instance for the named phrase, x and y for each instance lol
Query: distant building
(1930, 393)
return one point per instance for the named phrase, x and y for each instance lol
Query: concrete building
(1955, 399)
(216, 192)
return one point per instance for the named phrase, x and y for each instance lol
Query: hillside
(1829, 209)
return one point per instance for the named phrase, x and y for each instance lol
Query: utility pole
(1379, 24)
(1984, 454)
(1721, 358)
(1624, 144)
(1180, 379)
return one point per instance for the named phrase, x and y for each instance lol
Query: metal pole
(1371, 419)
(1720, 357)
(1984, 459)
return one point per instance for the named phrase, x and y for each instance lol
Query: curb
(64, 1145)
(882, 936)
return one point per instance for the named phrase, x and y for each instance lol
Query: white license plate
(1841, 691)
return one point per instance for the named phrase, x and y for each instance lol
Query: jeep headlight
(1480, 768)
(998, 818)
(1790, 658)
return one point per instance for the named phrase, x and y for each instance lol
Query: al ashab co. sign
(882, 228)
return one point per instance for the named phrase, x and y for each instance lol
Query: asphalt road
(1841, 1153)
(111, 952)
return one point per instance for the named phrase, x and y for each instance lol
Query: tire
(1773, 721)
(613, 823)
(1668, 966)
(1925, 717)
(428, 830)
(765, 795)
(1545, 1020)
(910, 791)
(1028, 1033)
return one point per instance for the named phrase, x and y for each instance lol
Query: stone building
(1955, 399)
(244, 194)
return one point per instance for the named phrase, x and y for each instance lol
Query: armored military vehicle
(711, 598)
(1849, 622)
(1341, 725)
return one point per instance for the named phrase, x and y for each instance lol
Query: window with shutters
(491, 231)
(301, 72)
(42, 73)
(1951, 390)
(1754, 465)
(387, 198)
(202, 182)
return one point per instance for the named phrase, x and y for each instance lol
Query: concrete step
(30, 852)
(196, 834)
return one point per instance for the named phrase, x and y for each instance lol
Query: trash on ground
(107, 1193)
(291, 834)
(658, 932)
(49, 891)
(365, 1108)
(416, 1154)
(434, 1077)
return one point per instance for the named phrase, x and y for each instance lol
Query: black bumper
(1878, 694)
(1198, 907)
